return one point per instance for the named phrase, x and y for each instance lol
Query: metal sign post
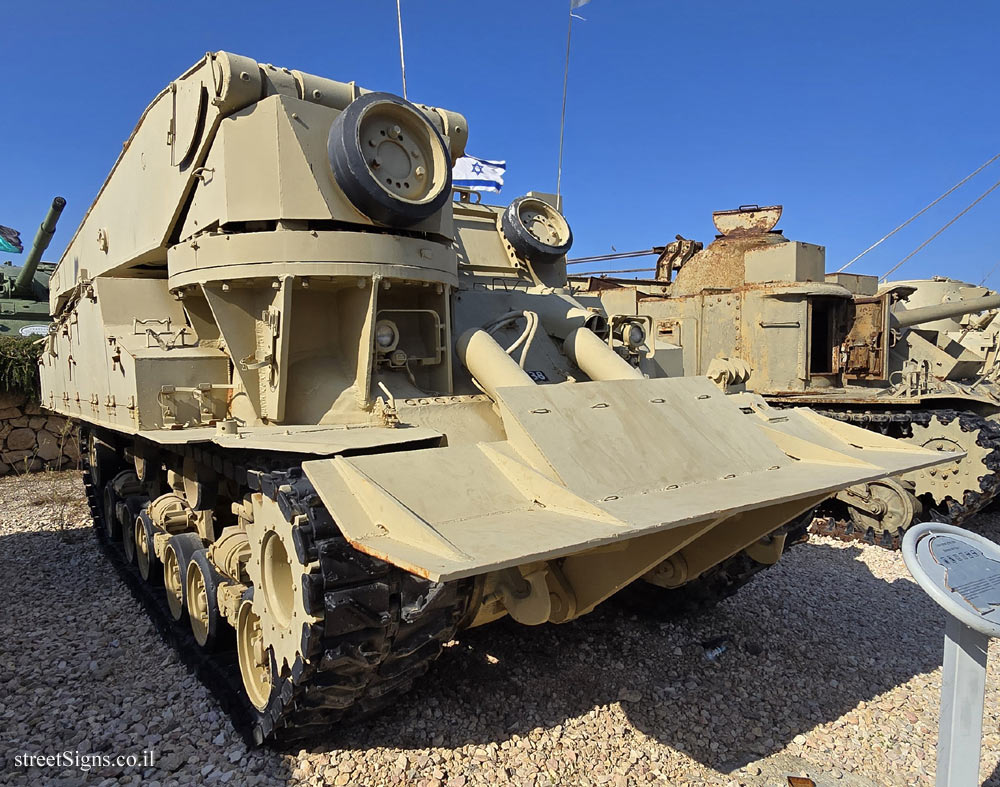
(961, 572)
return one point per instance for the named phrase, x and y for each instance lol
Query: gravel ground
(833, 670)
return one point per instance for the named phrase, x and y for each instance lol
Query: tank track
(381, 627)
(711, 588)
(845, 530)
(894, 424)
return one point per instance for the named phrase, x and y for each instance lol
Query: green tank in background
(916, 360)
(24, 290)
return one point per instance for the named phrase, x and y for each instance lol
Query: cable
(520, 339)
(531, 337)
(620, 255)
(995, 266)
(979, 199)
(919, 213)
(527, 335)
(622, 270)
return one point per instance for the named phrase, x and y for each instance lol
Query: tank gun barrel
(22, 287)
(907, 318)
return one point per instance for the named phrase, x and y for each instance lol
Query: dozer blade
(591, 463)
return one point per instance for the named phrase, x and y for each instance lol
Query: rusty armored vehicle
(334, 411)
(24, 290)
(912, 360)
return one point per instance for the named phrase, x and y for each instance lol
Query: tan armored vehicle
(964, 345)
(908, 360)
(342, 414)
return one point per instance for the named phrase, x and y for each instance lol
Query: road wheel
(176, 557)
(102, 461)
(535, 230)
(123, 485)
(145, 552)
(256, 659)
(112, 527)
(201, 598)
(389, 160)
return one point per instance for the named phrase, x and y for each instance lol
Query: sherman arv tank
(332, 413)
(24, 291)
(907, 359)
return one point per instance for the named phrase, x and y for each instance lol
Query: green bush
(19, 365)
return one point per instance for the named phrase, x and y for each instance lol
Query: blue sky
(853, 115)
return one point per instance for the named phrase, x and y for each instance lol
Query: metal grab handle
(250, 363)
(794, 324)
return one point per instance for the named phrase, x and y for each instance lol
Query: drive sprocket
(278, 578)
(376, 628)
(952, 480)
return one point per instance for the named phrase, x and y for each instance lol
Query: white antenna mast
(402, 61)
(573, 4)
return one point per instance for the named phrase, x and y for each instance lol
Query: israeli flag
(478, 174)
(10, 240)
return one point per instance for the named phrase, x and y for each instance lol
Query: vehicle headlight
(386, 335)
(635, 335)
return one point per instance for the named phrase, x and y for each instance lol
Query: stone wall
(32, 440)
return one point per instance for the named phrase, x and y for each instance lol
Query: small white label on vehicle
(34, 330)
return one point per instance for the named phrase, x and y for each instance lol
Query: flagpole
(402, 62)
(562, 119)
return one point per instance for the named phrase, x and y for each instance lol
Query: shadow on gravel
(993, 780)
(84, 673)
(810, 639)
